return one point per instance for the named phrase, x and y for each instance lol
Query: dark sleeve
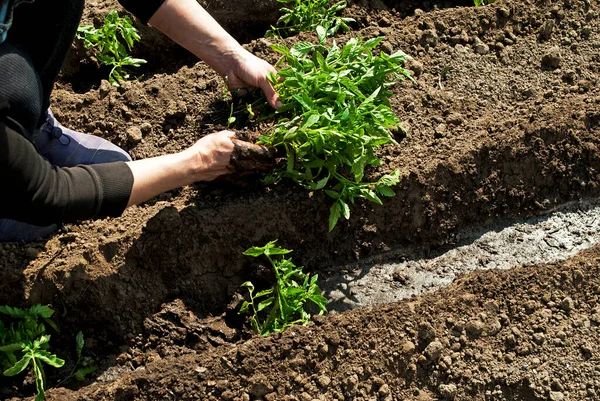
(34, 191)
(143, 10)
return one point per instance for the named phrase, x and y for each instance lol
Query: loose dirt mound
(503, 120)
(526, 334)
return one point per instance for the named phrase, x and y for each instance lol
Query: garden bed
(503, 121)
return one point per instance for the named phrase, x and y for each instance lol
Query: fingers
(270, 94)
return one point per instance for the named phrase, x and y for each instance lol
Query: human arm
(204, 161)
(36, 192)
(192, 27)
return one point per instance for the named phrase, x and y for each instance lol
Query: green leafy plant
(336, 113)
(306, 15)
(482, 2)
(83, 365)
(109, 49)
(275, 309)
(24, 343)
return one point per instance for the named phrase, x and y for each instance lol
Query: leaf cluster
(482, 2)
(306, 15)
(25, 342)
(109, 49)
(275, 309)
(336, 113)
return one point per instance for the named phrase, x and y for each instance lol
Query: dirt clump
(502, 120)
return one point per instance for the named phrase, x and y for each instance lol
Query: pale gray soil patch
(408, 272)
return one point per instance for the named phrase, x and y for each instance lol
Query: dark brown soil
(503, 121)
(526, 334)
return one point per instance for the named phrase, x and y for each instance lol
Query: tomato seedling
(109, 49)
(25, 343)
(275, 309)
(304, 16)
(336, 113)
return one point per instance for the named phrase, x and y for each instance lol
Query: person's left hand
(249, 71)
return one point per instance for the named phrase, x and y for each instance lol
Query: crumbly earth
(503, 120)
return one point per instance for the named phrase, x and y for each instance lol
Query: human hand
(211, 156)
(248, 71)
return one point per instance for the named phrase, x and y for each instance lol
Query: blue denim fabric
(6, 14)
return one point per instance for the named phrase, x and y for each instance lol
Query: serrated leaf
(301, 49)
(279, 48)
(334, 215)
(12, 347)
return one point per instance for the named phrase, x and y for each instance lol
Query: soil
(503, 121)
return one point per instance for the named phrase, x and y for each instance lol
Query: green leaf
(280, 49)
(12, 347)
(371, 43)
(81, 373)
(262, 293)
(334, 215)
(319, 184)
(254, 251)
(244, 307)
(321, 34)
(301, 49)
(311, 120)
(345, 209)
(49, 358)
(264, 304)
(248, 284)
(19, 366)
(13, 312)
(41, 311)
(385, 190)
(79, 342)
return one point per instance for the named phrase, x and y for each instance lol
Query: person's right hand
(211, 156)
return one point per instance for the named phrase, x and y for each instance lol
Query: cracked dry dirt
(503, 122)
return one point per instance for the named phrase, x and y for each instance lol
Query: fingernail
(278, 104)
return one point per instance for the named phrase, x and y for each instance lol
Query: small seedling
(275, 309)
(336, 113)
(305, 16)
(83, 365)
(109, 49)
(482, 2)
(231, 118)
(25, 343)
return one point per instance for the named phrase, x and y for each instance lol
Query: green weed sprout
(482, 2)
(109, 50)
(283, 305)
(306, 15)
(336, 113)
(25, 343)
